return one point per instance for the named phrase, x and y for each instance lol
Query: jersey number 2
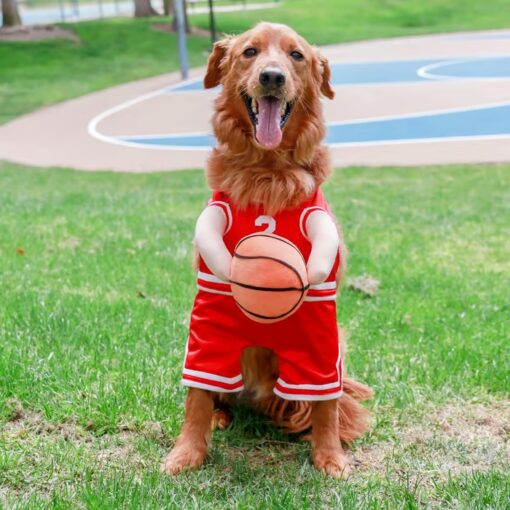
(266, 220)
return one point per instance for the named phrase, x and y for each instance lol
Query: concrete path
(408, 101)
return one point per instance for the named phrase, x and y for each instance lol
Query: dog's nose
(272, 78)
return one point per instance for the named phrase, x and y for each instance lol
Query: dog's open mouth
(268, 115)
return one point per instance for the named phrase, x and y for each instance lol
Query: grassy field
(96, 290)
(120, 50)
(97, 285)
(110, 52)
(333, 21)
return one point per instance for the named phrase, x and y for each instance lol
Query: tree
(168, 7)
(10, 13)
(143, 9)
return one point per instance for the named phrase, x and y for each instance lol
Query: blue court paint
(189, 86)
(379, 72)
(497, 67)
(488, 121)
(197, 141)
(398, 71)
(472, 123)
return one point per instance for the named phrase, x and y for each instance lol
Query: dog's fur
(276, 179)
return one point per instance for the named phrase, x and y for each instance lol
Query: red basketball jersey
(306, 343)
(289, 223)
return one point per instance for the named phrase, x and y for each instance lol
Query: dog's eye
(250, 52)
(297, 55)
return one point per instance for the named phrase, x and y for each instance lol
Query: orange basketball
(268, 277)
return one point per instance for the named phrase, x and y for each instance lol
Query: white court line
(480, 106)
(424, 72)
(421, 140)
(358, 121)
(93, 131)
(418, 115)
(93, 124)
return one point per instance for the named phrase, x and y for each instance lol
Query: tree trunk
(186, 20)
(143, 9)
(168, 7)
(10, 13)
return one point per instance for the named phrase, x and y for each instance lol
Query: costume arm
(323, 234)
(209, 241)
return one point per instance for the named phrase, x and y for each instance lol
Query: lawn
(335, 21)
(111, 52)
(97, 285)
(119, 50)
(96, 290)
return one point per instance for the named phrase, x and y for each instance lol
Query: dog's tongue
(269, 133)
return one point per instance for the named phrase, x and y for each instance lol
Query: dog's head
(272, 81)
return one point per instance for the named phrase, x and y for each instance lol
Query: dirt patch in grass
(36, 33)
(448, 440)
(36, 445)
(452, 439)
(367, 285)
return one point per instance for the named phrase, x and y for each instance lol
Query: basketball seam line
(270, 236)
(269, 289)
(281, 316)
(267, 257)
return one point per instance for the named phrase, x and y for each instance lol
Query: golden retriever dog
(276, 168)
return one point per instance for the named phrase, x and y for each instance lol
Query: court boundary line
(92, 127)
(343, 123)
(423, 71)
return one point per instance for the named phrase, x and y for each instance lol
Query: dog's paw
(221, 419)
(333, 463)
(183, 457)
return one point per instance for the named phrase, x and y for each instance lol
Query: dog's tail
(296, 416)
(354, 419)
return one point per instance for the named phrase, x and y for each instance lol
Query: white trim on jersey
(203, 386)
(340, 362)
(309, 299)
(317, 387)
(212, 377)
(313, 208)
(292, 396)
(323, 286)
(214, 291)
(219, 203)
(210, 278)
(185, 353)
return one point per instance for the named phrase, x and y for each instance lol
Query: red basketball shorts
(306, 344)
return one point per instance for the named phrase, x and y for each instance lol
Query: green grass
(119, 50)
(111, 52)
(96, 290)
(334, 21)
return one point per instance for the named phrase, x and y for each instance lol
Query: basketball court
(420, 100)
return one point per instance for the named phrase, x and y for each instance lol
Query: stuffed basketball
(268, 277)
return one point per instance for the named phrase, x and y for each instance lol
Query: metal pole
(181, 37)
(212, 24)
(100, 5)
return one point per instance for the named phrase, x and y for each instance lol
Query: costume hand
(323, 234)
(209, 241)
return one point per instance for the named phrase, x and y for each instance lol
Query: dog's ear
(215, 63)
(326, 77)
